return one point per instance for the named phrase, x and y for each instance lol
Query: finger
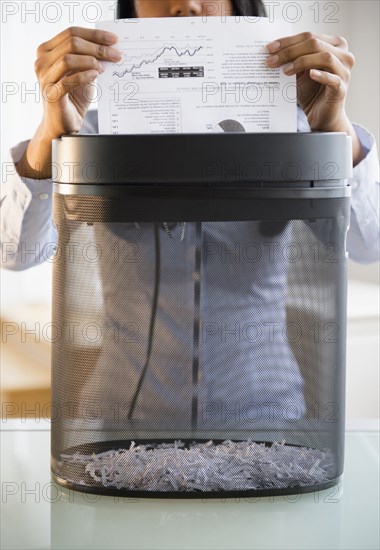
(332, 81)
(79, 46)
(324, 61)
(92, 35)
(56, 91)
(287, 41)
(310, 46)
(70, 64)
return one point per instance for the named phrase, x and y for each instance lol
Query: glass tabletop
(37, 513)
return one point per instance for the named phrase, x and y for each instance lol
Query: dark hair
(249, 8)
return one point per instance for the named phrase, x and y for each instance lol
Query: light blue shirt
(232, 373)
(26, 205)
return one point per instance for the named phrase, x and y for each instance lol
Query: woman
(73, 58)
(230, 376)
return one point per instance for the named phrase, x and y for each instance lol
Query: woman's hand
(65, 66)
(322, 65)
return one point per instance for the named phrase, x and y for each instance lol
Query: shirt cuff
(36, 195)
(370, 160)
(366, 172)
(363, 236)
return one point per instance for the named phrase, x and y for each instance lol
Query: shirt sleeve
(363, 237)
(28, 234)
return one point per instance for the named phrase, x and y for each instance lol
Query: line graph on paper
(157, 75)
(137, 62)
(180, 58)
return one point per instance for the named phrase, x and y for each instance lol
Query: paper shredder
(199, 313)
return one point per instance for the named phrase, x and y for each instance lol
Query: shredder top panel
(204, 160)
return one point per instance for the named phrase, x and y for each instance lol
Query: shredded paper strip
(207, 466)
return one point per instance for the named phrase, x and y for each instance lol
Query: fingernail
(288, 68)
(114, 54)
(274, 46)
(101, 68)
(110, 37)
(273, 59)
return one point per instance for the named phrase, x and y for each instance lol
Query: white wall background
(26, 24)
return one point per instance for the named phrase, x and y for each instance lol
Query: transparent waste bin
(199, 313)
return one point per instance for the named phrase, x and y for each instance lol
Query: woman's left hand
(321, 96)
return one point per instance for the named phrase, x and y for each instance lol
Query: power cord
(152, 318)
(154, 307)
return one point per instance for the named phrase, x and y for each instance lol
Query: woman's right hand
(65, 66)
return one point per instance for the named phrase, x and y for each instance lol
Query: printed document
(195, 75)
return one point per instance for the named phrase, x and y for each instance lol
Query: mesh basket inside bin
(201, 357)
